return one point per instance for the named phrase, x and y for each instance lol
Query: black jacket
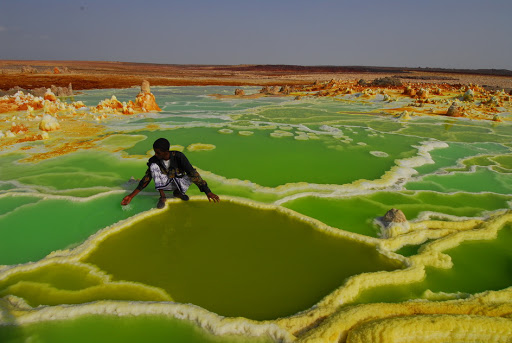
(178, 167)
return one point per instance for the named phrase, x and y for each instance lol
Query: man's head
(161, 147)
(161, 144)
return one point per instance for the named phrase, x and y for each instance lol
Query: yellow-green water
(117, 329)
(233, 259)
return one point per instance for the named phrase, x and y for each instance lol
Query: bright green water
(235, 260)
(456, 131)
(82, 171)
(59, 202)
(478, 266)
(268, 161)
(448, 157)
(357, 214)
(482, 180)
(47, 225)
(111, 329)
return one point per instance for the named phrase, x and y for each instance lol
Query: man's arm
(142, 184)
(196, 178)
(193, 174)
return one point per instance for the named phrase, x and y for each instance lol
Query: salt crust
(403, 170)
(176, 148)
(280, 133)
(452, 234)
(200, 147)
(484, 317)
(379, 153)
(49, 123)
(245, 133)
(208, 321)
(75, 256)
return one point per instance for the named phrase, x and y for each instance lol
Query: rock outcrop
(454, 110)
(57, 91)
(285, 90)
(28, 70)
(393, 224)
(492, 101)
(404, 115)
(469, 95)
(239, 92)
(270, 90)
(49, 95)
(145, 88)
(422, 93)
(145, 100)
(362, 83)
(410, 91)
(49, 123)
(62, 91)
(394, 216)
(386, 82)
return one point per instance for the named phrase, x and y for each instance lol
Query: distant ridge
(364, 69)
(278, 68)
(29, 74)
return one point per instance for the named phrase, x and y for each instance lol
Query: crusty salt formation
(49, 95)
(469, 95)
(404, 115)
(200, 147)
(482, 318)
(144, 102)
(389, 186)
(394, 216)
(49, 123)
(453, 110)
(145, 99)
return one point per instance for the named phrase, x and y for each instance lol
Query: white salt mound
(49, 123)
(379, 153)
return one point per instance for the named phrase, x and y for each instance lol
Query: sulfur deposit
(20, 102)
(394, 163)
(483, 318)
(394, 216)
(454, 110)
(145, 99)
(200, 147)
(144, 102)
(49, 123)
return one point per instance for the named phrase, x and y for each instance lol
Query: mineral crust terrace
(468, 101)
(48, 118)
(483, 317)
(37, 118)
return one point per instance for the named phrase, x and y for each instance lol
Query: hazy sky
(409, 33)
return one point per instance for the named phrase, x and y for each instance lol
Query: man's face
(161, 155)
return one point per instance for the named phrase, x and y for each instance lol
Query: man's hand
(213, 197)
(126, 200)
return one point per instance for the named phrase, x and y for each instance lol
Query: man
(171, 171)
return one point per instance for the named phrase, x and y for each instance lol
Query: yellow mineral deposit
(144, 102)
(145, 99)
(200, 147)
(483, 317)
(49, 123)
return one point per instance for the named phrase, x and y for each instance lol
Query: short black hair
(161, 144)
